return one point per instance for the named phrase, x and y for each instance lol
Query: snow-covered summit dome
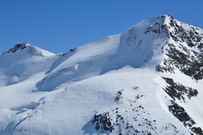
(29, 49)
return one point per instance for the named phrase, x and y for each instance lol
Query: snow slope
(23, 61)
(136, 82)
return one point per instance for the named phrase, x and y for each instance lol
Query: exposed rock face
(180, 113)
(103, 122)
(179, 91)
(185, 50)
(19, 46)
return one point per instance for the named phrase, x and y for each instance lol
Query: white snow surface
(44, 93)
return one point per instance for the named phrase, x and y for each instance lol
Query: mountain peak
(155, 25)
(30, 49)
(19, 46)
(162, 19)
(167, 16)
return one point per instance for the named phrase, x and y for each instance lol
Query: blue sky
(59, 25)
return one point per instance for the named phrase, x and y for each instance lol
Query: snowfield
(136, 82)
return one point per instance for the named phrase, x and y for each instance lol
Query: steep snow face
(22, 61)
(86, 61)
(142, 81)
(143, 43)
(139, 46)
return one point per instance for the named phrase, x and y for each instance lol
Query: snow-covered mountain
(146, 80)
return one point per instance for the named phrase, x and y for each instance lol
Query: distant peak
(19, 46)
(23, 44)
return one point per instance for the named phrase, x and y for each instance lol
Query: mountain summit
(31, 49)
(146, 80)
(17, 47)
